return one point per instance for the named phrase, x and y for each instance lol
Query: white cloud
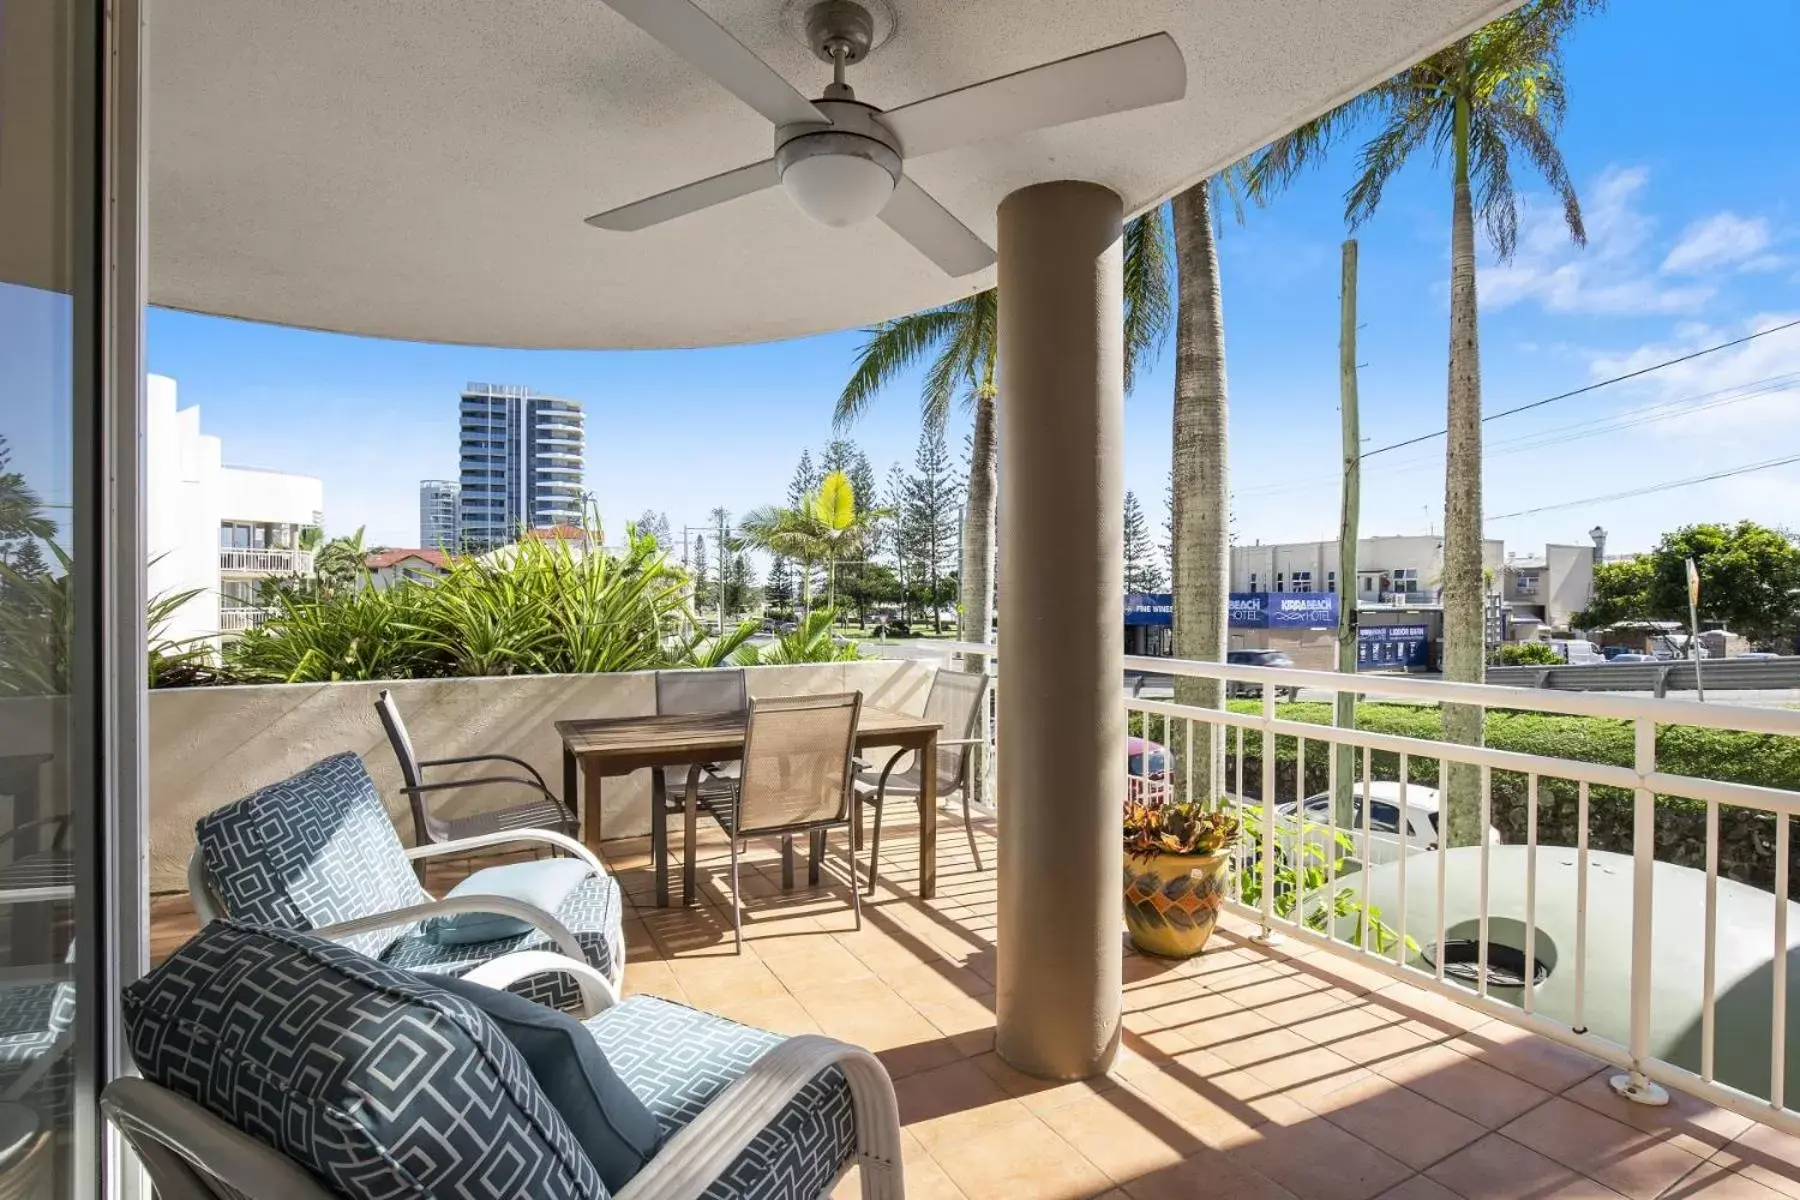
(1721, 240)
(1607, 277)
(1745, 397)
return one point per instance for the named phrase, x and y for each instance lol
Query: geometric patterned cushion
(369, 1077)
(310, 851)
(34, 1018)
(677, 1060)
(594, 913)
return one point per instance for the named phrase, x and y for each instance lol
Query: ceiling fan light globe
(838, 179)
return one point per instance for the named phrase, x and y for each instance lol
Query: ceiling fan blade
(693, 35)
(1119, 78)
(934, 232)
(689, 197)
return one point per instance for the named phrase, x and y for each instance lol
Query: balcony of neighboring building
(262, 548)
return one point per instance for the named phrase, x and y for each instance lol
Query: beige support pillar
(1062, 716)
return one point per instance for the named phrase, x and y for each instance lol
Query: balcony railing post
(1634, 1084)
(1266, 934)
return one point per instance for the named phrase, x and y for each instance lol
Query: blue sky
(1684, 171)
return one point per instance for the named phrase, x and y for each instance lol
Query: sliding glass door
(67, 724)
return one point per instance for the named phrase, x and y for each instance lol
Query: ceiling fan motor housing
(824, 167)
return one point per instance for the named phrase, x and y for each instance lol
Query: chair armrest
(506, 906)
(501, 837)
(942, 742)
(597, 991)
(692, 1160)
(475, 758)
(445, 785)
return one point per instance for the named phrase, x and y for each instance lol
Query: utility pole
(1349, 515)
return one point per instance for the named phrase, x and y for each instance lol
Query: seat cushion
(310, 851)
(542, 883)
(678, 1059)
(611, 1123)
(593, 912)
(372, 1078)
(35, 1020)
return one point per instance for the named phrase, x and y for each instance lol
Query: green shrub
(1527, 654)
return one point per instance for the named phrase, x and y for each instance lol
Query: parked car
(1258, 658)
(1759, 654)
(1632, 656)
(1577, 651)
(1146, 769)
(1422, 806)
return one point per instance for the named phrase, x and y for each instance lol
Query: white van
(1576, 652)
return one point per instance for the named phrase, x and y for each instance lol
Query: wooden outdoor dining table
(612, 746)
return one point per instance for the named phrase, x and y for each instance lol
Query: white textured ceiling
(420, 168)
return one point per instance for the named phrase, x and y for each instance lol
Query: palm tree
(1199, 518)
(1494, 95)
(961, 342)
(816, 530)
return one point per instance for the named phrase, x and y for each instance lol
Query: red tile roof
(558, 533)
(388, 558)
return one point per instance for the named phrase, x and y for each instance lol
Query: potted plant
(1175, 860)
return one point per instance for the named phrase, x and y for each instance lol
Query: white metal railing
(275, 562)
(238, 617)
(1291, 902)
(1286, 905)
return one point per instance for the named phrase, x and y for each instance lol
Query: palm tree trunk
(978, 528)
(1465, 611)
(1201, 551)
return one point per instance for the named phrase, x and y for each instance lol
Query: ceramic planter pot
(1172, 901)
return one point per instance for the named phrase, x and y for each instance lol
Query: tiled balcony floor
(1245, 1073)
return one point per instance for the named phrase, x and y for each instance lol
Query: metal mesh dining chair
(542, 811)
(685, 693)
(798, 768)
(956, 703)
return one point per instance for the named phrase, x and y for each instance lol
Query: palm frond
(1282, 161)
(1539, 145)
(1149, 303)
(1490, 171)
(891, 348)
(1384, 154)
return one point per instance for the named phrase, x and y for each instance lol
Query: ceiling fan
(841, 160)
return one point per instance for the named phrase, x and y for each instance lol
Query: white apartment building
(216, 529)
(440, 518)
(1404, 569)
(1546, 590)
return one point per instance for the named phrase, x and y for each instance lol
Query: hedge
(1747, 836)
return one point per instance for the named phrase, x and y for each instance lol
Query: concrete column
(1062, 718)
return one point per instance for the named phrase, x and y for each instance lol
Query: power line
(1666, 486)
(1559, 435)
(1508, 412)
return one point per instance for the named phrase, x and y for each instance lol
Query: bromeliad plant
(1157, 825)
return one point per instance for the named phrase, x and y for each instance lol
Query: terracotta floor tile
(1398, 1121)
(1218, 1118)
(777, 1014)
(1685, 1121)
(1765, 1156)
(1207, 1173)
(1537, 1060)
(1431, 1009)
(1459, 1083)
(722, 981)
(1036, 1094)
(956, 1101)
(1419, 1187)
(1713, 1181)
(1495, 1168)
(1318, 1161)
(1306, 1072)
(1024, 1157)
(1628, 1160)
(1121, 1134)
